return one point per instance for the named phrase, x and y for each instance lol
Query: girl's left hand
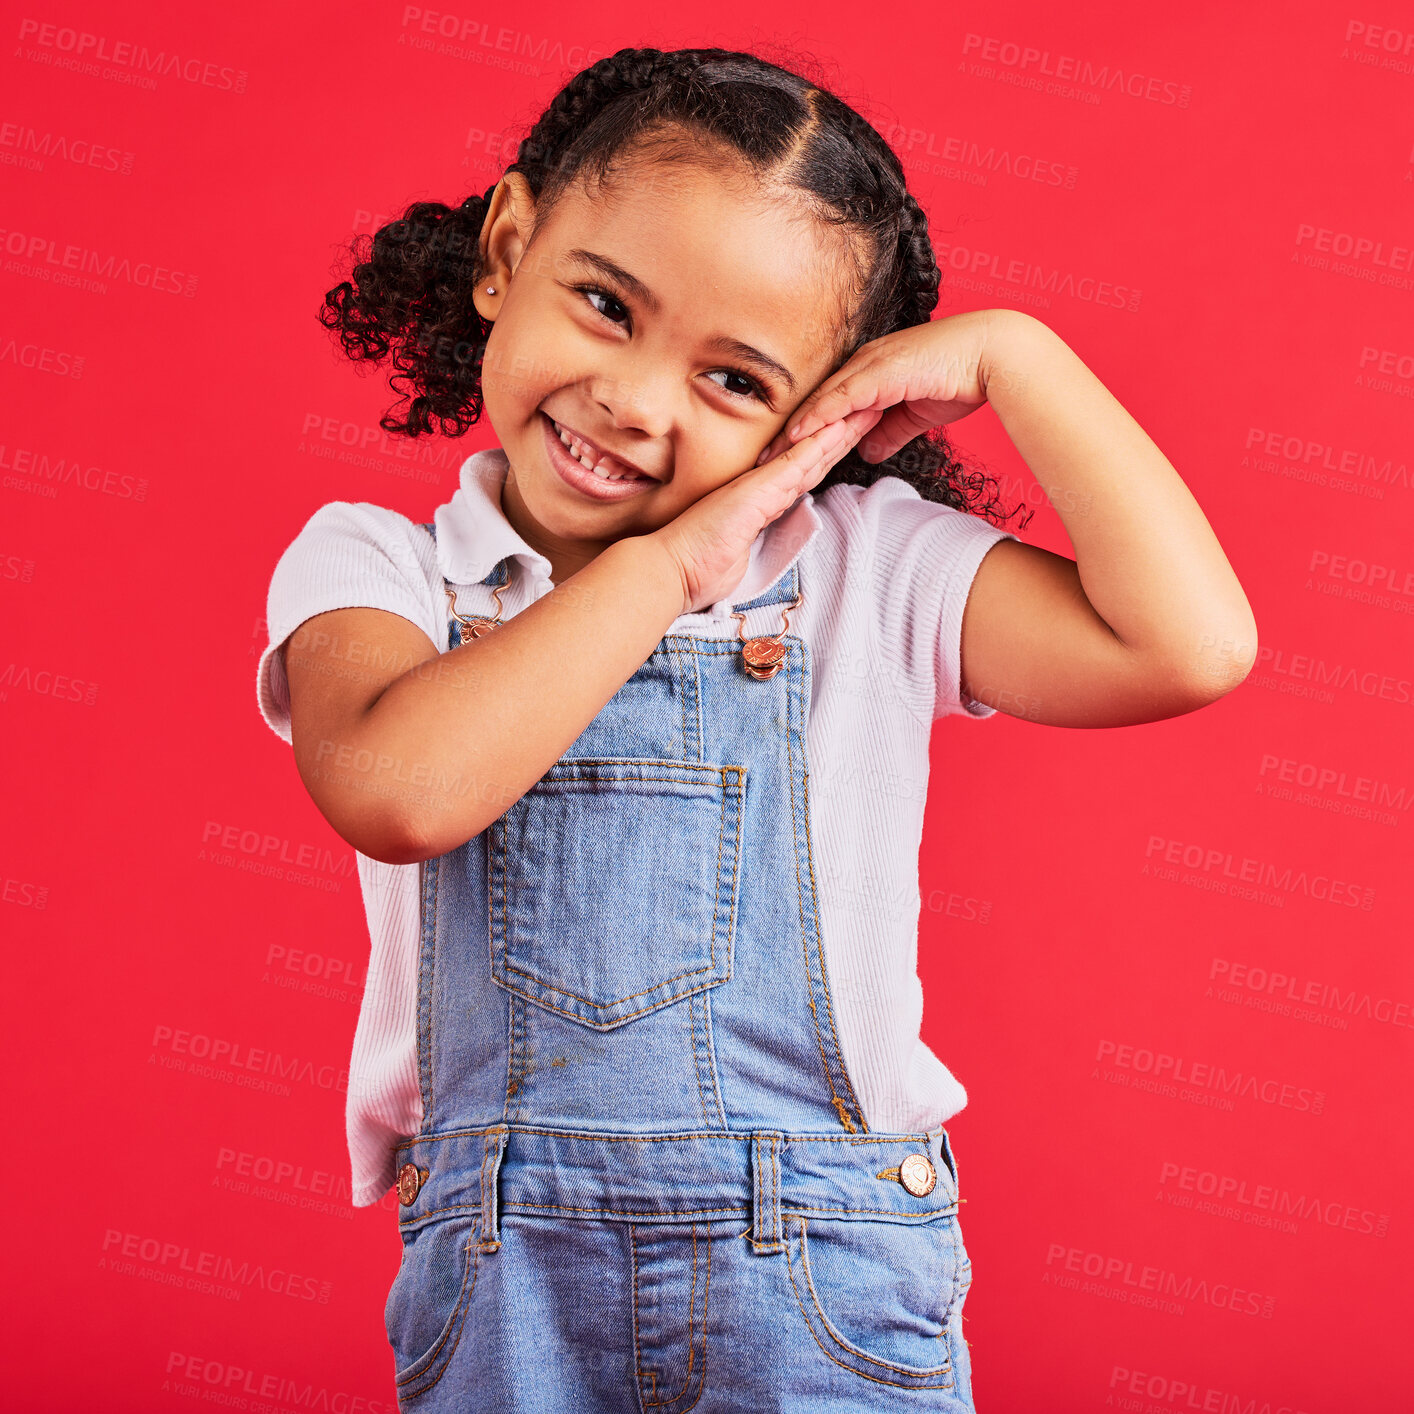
(910, 381)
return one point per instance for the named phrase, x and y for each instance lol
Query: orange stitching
(697, 1060)
(736, 856)
(710, 1055)
(696, 1063)
(776, 1205)
(728, 791)
(706, 1293)
(800, 895)
(691, 1322)
(483, 1206)
(916, 1375)
(523, 1052)
(618, 1020)
(463, 1303)
(580, 766)
(467, 1208)
(820, 946)
(824, 983)
(512, 1084)
(678, 682)
(520, 1206)
(797, 1137)
(617, 1001)
(825, 986)
(758, 1240)
(637, 1343)
(426, 869)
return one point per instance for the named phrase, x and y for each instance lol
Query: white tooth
(585, 458)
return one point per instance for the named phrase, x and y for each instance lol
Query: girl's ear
(505, 233)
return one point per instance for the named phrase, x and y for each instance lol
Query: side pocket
(876, 1296)
(428, 1300)
(613, 886)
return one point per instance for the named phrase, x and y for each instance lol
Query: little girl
(632, 742)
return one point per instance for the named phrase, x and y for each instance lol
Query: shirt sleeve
(348, 555)
(923, 558)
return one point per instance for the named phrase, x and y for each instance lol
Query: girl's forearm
(1148, 559)
(501, 709)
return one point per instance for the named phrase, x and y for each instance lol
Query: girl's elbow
(1224, 659)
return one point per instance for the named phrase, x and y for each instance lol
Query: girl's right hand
(710, 542)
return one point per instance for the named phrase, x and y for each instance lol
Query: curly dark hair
(410, 290)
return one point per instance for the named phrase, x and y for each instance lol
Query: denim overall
(643, 1181)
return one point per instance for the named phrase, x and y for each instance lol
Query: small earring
(490, 289)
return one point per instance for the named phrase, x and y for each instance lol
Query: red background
(1216, 167)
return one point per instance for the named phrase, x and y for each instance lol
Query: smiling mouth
(601, 464)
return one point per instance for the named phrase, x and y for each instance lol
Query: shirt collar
(473, 536)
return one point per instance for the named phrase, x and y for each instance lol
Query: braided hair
(410, 291)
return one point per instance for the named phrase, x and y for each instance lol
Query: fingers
(855, 392)
(857, 423)
(896, 427)
(803, 455)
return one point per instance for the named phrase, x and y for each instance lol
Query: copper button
(410, 1179)
(918, 1175)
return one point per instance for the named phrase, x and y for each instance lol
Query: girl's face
(675, 323)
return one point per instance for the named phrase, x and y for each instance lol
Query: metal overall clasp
(476, 625)
(762, 657)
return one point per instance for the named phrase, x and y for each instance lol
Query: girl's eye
(753, 389)
(589, 291)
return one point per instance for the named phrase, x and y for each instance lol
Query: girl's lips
(574, 473)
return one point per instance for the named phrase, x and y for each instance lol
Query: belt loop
(944, 1160)
(495, 1149)
(766, 1191)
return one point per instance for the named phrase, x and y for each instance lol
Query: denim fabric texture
(648, 1183)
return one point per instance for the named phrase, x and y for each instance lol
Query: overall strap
(498, 578)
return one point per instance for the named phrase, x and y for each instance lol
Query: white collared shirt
(885, 576)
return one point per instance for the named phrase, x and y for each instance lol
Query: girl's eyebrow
(736, 348)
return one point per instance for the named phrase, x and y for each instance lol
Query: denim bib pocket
(877, 1296)
(428, 1301)
(580, 868)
